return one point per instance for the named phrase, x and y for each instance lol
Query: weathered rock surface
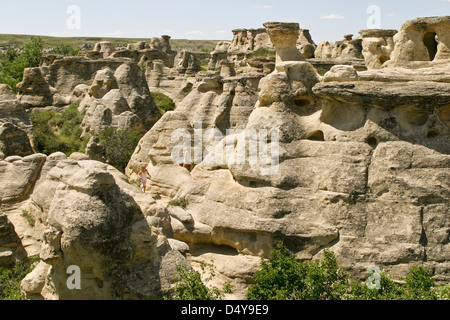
(90, 217)
(354, 161)
(120, 100)
(378, 45)
(9, 242)
(362, 167)
(421, 42)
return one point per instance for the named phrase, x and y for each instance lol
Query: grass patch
(179, 202)
(163, 102)
(262, 52)
(55, 131)
(30, 219)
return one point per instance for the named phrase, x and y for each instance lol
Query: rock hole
(316, 136)
(429, 40)
(301, 102)
(373, 142)
(432, 134)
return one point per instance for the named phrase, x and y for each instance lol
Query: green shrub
(389, 290)
(179, 202)
(30, 219)
(119, 146)
(66, 50)
(419, 284)
(13, 65)
(11, 277)
(163, 102)
(55, 131)
(282, 277)
(192, 287)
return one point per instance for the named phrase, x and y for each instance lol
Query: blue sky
(205, 19)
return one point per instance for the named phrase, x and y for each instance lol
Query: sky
(207, 19)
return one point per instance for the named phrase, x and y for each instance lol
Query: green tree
(419, 284)
(66, 50)
(280, 277)
(13, 65)
(119, 146)
(192, 287)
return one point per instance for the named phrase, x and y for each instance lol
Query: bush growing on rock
(13, 64)
(282, 277)
(192, 287)
(11, 277)
(119, 145)
(55, 131)
(163, 102)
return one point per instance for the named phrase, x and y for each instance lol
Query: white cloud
(392, 14)
(445, 0)
(264, 7)
(332, 16)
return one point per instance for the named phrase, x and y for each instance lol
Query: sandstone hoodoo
(341, 146)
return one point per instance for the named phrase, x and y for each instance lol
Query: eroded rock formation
(362, 167)
(352, 160)
(85, 214)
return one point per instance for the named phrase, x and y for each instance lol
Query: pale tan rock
(105, 47)
(18, 177)
(378, 44)
(93, 212)
(284, 37)
(421, 42)
(341, 73)
(6, 92)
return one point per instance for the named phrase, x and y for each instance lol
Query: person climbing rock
(143, 175)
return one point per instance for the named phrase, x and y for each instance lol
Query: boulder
(103, 227)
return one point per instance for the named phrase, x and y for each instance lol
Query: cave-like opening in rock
(429, 40)
(316, 136)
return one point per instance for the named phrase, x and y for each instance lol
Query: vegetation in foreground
(282, 277)
(12, 276)
(12, 64)
(192, 287)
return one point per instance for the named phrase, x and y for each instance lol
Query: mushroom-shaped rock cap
(283, 34)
